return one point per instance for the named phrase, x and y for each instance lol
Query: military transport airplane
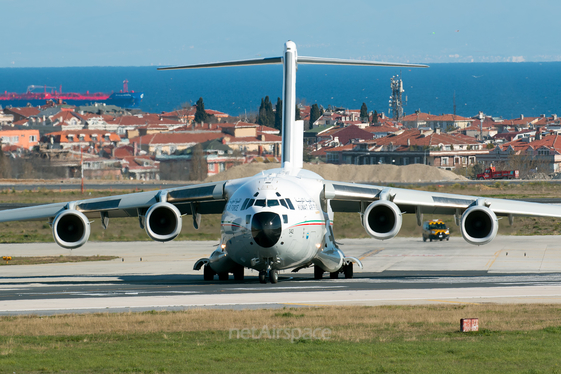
(281, 218)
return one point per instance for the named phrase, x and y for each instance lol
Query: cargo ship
(39, 95)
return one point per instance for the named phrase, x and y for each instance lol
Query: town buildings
(113, 143)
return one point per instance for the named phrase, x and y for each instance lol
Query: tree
(314, 115)
(266, 115)
(200, 115)
(375, 117)
(278, 114)
(363, 112)
(297, 114)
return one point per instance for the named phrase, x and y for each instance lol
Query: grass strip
(384, 339)
(54, 260)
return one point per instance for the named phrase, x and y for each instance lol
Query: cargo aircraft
(282, 218)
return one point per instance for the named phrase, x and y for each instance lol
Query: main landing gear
(238, 271)
(273, 276)
(346, 269)
(208, 273)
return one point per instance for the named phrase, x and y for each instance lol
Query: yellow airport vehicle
(435, 229)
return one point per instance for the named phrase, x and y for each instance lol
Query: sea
(504, 90)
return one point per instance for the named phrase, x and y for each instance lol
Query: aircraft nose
(266, 228)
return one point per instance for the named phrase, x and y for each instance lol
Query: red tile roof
(345, 134)
(24, 112)
(417, 138)
(552, 142)
(381, 128)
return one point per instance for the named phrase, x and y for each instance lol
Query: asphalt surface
(155, 276)
(172, 284)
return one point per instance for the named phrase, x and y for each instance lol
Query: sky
(60, 33)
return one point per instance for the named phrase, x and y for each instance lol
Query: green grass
(213, 352)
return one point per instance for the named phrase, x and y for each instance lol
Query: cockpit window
(283, 203)
(290, 204)
(260, 202)
(245, 204)
(250, 203)
(272, 203)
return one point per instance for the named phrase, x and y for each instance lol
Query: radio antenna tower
(396, 102)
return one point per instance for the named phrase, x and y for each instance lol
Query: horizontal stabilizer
(339, 61)
(259, 61)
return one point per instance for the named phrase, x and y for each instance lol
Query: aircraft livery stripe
(310, 223)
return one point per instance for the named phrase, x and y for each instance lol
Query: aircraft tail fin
(292, 130)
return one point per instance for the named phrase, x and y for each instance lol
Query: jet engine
(479, 225)
(163, 222)
(382, 219)
(71, 229)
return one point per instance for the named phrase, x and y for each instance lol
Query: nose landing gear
(273, 276)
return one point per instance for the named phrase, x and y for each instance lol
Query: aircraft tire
(318, 272)
(239, 273)
(262, 276)
(348, 270)
(334, 275)
(223, 276)
(208, 273)
(273, 276)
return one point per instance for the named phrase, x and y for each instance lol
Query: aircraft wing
(208, 198)
(352, 197)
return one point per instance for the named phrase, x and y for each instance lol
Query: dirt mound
(353, 173)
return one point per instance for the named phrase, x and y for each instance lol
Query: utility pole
(82, 170)
(454, 103)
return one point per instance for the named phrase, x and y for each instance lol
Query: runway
(156, 276)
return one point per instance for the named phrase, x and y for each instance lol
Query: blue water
(498, 89)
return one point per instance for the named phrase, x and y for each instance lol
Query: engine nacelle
(71, 229)
(382, 219)
(163, 222)
(479, 225)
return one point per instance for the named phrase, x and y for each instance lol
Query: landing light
(223, 246)
(318, 245)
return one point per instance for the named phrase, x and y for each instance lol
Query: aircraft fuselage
(274, 221)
